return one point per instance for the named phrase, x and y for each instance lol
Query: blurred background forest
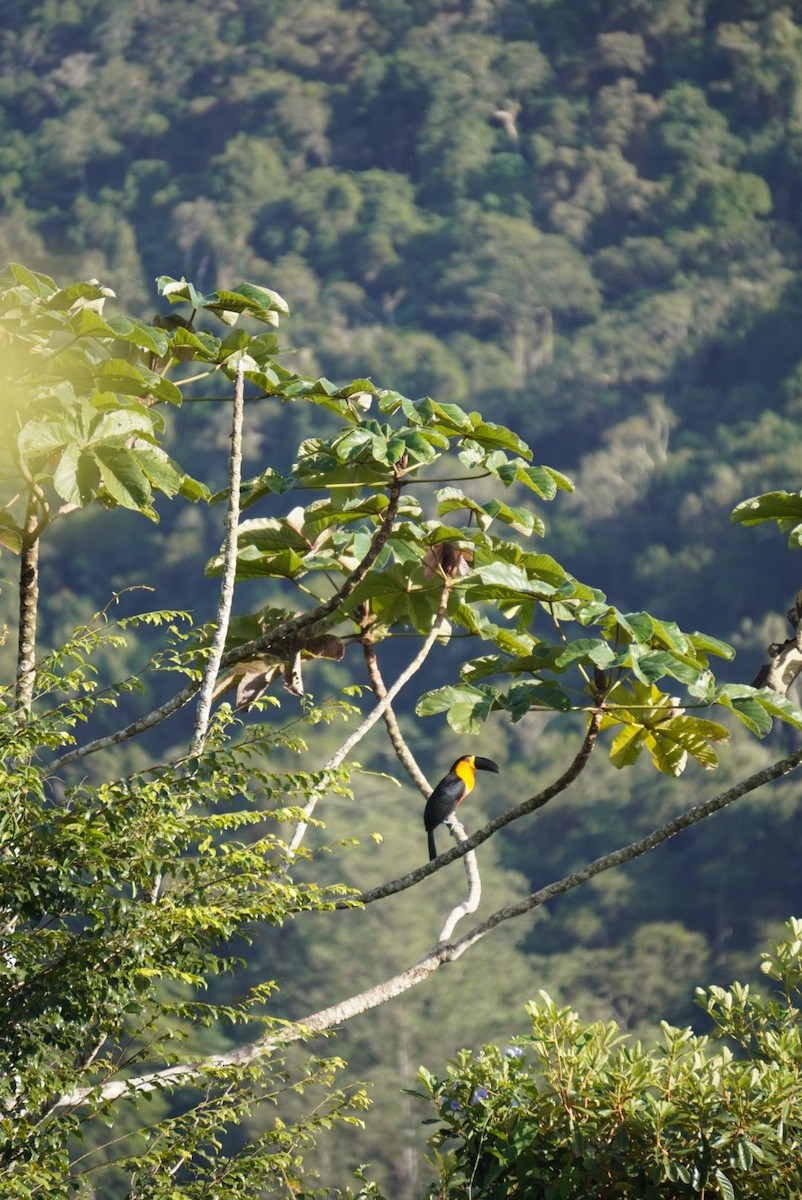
(583, 218)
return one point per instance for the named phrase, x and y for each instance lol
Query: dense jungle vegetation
(583, 219)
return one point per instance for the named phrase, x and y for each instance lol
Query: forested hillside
(582, 218)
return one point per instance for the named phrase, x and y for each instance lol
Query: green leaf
(87, 323)
(124, 479)
(270, 482)
(193, 490)
(354, 444)
(750, 712)
(467, 707)
(756, 707)
(668, 755)
(203, 345)
(160, 469)
(119, 425)
(627, 746)
(40, 439)
(77, 478)
(703, 643)
(694, 734)
(10, 533)
(418, 446)
(400, 594)
(521, 519)
(780, 706)
(491, 437)
(264, 297)
(258, 302)
(237, 339)
(323, 514)
(40, 285)
(268, 534)
(446, 418)
(530, 695)
(140, 334)
(544, 481)
(669, 734)
(727, 1190)
(783, 507)
(117, 375)
(505, 582)
(651, 665)
(89, 291)
(179, 290)
(254, 564)
(594, 650)
(639, 626)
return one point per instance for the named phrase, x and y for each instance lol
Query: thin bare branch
(405, 755)
(471, 901)
(370, 720)
(140, 725)
(229, 570)
(407, 760)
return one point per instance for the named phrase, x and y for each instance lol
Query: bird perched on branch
(451, 791)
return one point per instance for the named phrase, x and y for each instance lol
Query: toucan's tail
(432, 847)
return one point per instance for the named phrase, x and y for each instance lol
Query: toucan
(451, 791)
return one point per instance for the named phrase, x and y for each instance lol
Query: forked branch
(403, 752)
(373, 716)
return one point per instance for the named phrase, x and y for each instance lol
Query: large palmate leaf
(646, 718)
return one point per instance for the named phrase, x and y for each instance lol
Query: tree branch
(229, 570)
(140, 725)
(471, 901)
(405, 755)
(407, 760)
(370, 720)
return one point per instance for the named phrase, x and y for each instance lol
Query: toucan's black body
(451, 791)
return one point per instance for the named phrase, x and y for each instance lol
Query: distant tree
(524, 284)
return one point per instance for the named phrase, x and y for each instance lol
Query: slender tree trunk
(28, 608)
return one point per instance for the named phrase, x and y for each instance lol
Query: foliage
(576, 1110)
(121, 902)
(125, 895)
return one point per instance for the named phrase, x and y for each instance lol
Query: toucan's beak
(485, 764)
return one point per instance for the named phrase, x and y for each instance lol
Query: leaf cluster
(120, 902)
(574, 1109)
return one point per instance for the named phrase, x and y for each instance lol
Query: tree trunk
(28, 609)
